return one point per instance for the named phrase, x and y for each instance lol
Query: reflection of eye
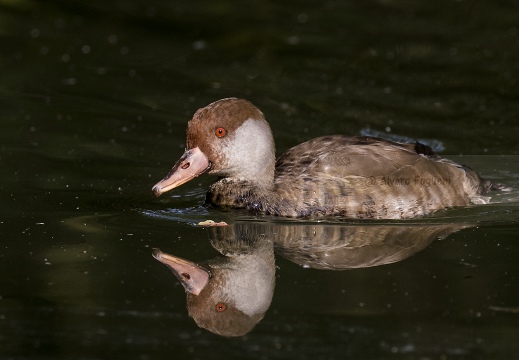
(220, 307)
(220, 132)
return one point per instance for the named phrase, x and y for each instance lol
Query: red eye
(220, 307)
(220, 132)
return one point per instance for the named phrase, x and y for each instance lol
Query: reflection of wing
(340, 247)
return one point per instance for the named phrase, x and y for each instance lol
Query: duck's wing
(366, 170)
(343, 156)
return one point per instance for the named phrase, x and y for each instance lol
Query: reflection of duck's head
(229, 295)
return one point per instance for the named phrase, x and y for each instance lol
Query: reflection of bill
(230, 294)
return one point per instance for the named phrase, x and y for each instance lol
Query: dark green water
(95, 97)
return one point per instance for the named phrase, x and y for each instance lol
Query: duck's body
(354, 177)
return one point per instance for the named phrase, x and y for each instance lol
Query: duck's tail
(498, 186)
(485, 187)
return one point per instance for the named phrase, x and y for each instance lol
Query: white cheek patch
(249, 149)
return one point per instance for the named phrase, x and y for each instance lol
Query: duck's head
(229, 138)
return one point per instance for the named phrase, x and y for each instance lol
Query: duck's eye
(220, 307)
(220, 132)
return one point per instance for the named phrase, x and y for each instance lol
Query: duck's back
(365, 177)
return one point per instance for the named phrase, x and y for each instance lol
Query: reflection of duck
(355, 177)
(338, 247)
(229, 295)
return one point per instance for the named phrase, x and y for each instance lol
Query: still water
(95, 98)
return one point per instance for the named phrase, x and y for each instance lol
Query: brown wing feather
(342, 156)
(371, 178)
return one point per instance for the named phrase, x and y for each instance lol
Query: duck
(353, 177)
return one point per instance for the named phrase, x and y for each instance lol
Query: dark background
(94, 100)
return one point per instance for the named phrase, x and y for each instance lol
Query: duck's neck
(259, 176)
